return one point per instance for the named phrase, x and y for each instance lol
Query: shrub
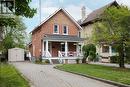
(92, 55)
(114, 59)
(89, 49)
(37, 61)
(47, 61)
(77, 60)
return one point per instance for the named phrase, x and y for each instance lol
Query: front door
(55, 48)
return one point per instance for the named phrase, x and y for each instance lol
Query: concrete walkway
(110, 64)
(47, 76)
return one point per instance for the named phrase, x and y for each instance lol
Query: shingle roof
(95, 15)
(68, 38)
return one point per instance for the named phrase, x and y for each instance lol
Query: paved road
(46, 76)
(110, 64)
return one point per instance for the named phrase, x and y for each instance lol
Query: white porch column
(66, 48)
(77, 49)
(82, 44)
(33, 50)
(110, 50)
(43, 48)
(101, 49)
(46, 47)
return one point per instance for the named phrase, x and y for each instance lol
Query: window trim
(104, 50)
(57, 29)
(66, 29)
(79, 34)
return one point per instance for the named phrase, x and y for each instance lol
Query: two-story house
(87, 23)
(57, 37)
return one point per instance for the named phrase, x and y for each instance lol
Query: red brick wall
(47, 28)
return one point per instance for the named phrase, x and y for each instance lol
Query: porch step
(55, 61)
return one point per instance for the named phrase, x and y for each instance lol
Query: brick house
(57, 37)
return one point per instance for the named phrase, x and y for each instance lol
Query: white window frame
(57, 29)
(63, 30)
(79, 34)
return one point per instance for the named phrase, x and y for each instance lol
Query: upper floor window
(56, 29)
(79, 34)
(65, 30)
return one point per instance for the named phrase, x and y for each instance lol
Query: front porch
(62, 50)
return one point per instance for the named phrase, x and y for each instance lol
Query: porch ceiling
(68, 38)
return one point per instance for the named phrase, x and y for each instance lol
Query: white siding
(16, 54)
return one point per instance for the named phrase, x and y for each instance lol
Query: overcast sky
(72, 6)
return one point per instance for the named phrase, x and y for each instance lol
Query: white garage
(16, 54)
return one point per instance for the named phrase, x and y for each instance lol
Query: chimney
(83, 9)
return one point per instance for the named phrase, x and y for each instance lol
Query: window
(113, 50)
(65, 30)
(105, 49)
(56, 29)
(7, 7)
(63, 47)
(79, 34)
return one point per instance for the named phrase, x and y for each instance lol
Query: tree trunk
(121, 62)
(84, 60)
(121, 56)
(1, 33)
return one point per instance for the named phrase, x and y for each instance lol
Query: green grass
(10, 77)
(109, 73)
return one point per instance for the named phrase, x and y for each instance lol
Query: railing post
(110, 50)
(77, 49)
(66, 48)
(46, 47)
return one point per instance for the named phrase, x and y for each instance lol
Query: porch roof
(68, 38)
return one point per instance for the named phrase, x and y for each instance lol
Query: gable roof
(95, 15)
(65, 12)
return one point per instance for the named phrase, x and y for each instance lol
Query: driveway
(47, 76)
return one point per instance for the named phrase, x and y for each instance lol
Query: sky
(48, 7)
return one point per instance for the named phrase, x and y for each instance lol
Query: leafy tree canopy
(114, 29)
(14, 36)
(114, 26)
(22, 8)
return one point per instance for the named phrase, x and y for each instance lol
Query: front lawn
(105, 72)
(9, 77)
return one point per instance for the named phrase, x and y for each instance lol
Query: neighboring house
(58, 37)
(103, 49)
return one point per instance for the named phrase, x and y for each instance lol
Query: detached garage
(16, 54)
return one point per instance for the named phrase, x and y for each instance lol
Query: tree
(114, 29)
(22, 8)
(89, 50)
(14, 36)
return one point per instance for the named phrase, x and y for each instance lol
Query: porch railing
(46, 54)
(69, 54)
